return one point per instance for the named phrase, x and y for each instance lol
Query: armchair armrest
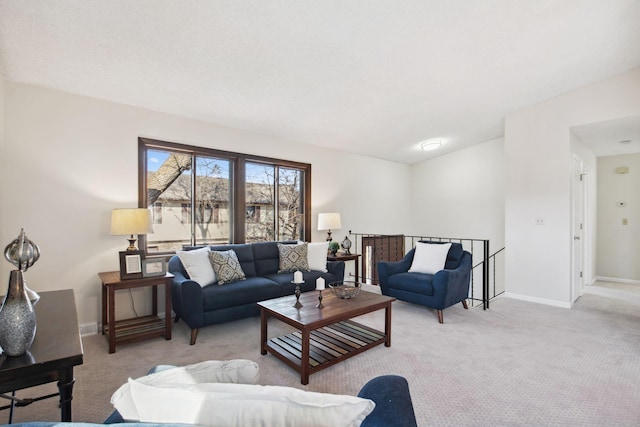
(452, 286)
(386, 269)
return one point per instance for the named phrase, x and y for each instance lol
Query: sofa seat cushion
(418, 283)
(247, 291)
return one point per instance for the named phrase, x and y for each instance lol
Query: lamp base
(132, 244)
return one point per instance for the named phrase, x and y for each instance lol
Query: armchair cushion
(418, 283)
(453, 256)
(429, 258)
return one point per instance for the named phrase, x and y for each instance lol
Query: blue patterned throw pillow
(293, 258)
(226, 266)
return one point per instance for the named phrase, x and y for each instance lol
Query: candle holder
(320, 300)
(298, 304)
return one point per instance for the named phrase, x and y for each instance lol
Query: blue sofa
(438, 291)
(202, 306)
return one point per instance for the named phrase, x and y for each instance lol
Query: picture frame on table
(153, 267)
(131, 265)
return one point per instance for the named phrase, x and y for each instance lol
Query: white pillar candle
(319, 284)
(297, 277)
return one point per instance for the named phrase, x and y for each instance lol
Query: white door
(578, 229)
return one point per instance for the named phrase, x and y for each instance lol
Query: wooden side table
(136, 328)
(344, 257)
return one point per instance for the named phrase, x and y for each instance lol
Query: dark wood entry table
(56, 349)
(325, 335)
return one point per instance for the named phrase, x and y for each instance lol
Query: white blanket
(179, 396)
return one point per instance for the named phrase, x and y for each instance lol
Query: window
(157, 213)
(206, 196)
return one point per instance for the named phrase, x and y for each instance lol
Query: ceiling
(375, 77)
(611, 138)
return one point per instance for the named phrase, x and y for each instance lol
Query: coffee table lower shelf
(327, 346)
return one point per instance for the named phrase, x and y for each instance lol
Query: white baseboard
(615, 280)
(89, 329)
(537, 300)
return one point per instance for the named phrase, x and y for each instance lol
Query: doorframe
(581, 191)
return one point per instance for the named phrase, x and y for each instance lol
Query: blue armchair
(438, 291)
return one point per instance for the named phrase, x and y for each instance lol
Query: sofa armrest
(386, 269)
(393, 402)
(187, 300)
(336, 268)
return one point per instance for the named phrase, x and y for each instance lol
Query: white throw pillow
(429, 258)
(239, 371)
(317, 256)
(198, 265)
(217, 404)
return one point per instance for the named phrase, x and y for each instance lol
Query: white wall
(461, 194)
(538, 182)
(616, 241)
(69, 160)
(4, 267)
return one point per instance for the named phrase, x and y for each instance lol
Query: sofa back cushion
(266, 258)
(453, 257)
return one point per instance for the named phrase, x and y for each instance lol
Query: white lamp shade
(125, 222)
(329, 221)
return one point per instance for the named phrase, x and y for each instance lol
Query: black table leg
(65, 386)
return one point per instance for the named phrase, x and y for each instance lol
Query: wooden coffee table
(326, 335)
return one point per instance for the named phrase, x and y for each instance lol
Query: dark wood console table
(56, 349)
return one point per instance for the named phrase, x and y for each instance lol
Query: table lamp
(329, 221)
(130, 222)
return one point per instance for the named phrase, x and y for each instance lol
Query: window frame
(237, 163)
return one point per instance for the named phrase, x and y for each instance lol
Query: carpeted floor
(517, 364)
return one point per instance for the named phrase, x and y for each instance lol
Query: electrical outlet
(540, 220)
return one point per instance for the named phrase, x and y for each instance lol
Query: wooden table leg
(387, 325)
(304, 359)
(65, 387)
(263, 331)
(357, 271)
(112, 319)
(104, 307)
(154, 301)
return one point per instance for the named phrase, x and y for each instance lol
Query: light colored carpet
(516, 364)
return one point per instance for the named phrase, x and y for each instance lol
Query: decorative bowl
(345, 289)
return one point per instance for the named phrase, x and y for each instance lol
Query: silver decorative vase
(17, 318)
